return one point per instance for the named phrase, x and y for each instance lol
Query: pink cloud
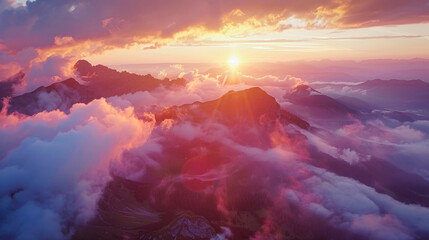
(55, 186)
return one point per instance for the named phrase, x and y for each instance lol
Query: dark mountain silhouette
(106, 82)
(61, 95)
(99, 81)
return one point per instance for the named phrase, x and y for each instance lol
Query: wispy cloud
(280, 41)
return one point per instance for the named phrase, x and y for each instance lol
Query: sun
(233, 61)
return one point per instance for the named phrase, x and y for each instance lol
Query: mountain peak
(251, 95)
(249, 104)
(71, 82)
(302, 90)
(255, 91)
(84, 68)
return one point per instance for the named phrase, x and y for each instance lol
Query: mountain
(61, 95)
(252, 106)
(398, 95)
(382, 176)
(312, 105)
(304, 95)
(98, 81)
(355, 104)
(344, 71)
(106, 82)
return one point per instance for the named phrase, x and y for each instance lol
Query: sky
(45, 38)
(289, 45)
(187, 31)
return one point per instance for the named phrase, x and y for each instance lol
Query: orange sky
(115, 32)
(397, 42)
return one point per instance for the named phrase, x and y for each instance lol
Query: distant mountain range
(329, 100)
(395, 95)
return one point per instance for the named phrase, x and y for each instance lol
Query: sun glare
(233, 61)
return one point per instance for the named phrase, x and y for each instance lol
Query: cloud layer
(249, 175)
(54, 166)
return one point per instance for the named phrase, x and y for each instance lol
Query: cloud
(38, 24)
(11, 64)
(63, 40)
(178, 67)
(349, 156)
(272, 81)
(198, 43)
(360, 208)
(51, 180)
(328, 146)
(53, 69)
(155, 46)
(365, 13)
(401, 144)
(408, 134)
(162, 74)
(8, 70)
(39, 70)
(380, 227)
